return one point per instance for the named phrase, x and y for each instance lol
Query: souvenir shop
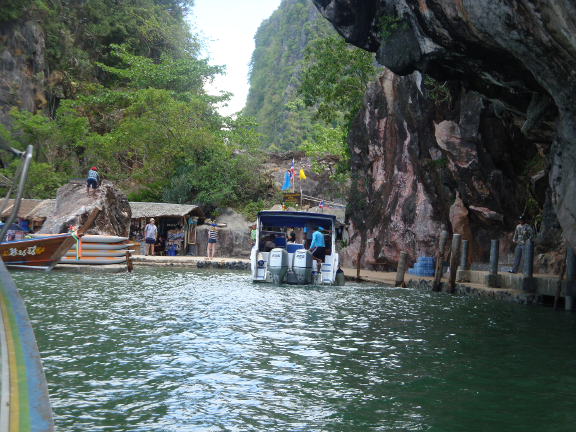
(176, 225)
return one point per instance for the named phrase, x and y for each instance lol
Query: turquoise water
(176, 350)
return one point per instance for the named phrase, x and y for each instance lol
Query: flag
(302, 176)
(286, 184)
(321, 205)
(292, 171)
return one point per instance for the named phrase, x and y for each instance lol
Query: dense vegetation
(146, 120)
(285, 120)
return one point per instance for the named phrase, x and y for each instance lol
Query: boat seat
(293, 247)
(280, 242)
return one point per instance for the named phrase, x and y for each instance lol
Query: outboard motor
(278, 264)
(302, 266)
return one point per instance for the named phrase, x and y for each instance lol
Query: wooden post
(129, 262)
(440, 262)
(358, 266)
(454, 258)
(401, 270)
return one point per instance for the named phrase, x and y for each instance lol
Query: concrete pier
(463, 273)
(528, 280)
(454, 258)
(493, 279)
(569, 285)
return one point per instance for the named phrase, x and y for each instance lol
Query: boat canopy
(295, 219)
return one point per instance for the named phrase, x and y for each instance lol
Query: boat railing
(20, 177)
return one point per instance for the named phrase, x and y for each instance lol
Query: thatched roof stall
(176, 223)
(30, 208)
(156, 210)
(33, 211)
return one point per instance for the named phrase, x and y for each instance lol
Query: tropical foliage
(147, 121)
(285, 120)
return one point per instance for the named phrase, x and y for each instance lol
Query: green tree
(274, 74)
(335, 77)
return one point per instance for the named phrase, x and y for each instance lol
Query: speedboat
(290, 262)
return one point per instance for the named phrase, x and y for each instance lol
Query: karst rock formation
(510, 69)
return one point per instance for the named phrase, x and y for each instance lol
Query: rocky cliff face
(515, 63)
(420, 167)
(23, 68)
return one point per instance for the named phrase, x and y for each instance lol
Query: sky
(230, 26)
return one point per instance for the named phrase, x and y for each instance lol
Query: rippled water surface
(175, 350)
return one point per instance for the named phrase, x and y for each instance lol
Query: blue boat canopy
(295, 219)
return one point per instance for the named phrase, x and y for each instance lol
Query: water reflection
(173, 350)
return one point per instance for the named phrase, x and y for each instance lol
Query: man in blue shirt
(92, 181)
(318, 247)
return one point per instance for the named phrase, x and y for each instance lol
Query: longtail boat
(36, 253)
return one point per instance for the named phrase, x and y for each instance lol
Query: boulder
(233, 239)
(73, 207)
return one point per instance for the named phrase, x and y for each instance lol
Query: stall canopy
(156, 210)
(30, 208)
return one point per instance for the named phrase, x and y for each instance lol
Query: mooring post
(528, 279)
(358, 266)
(401, 270)
(493, 279)
(440, 262)
(528, 265)
(454, 258)
(463, 273)
(570, 284)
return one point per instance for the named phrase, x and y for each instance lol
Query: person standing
(318, 247)
(92, 180)
(150, 233)
(212, 237)
(522, 234)
(308, 233)
(253, 235)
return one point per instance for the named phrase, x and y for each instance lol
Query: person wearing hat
(212, 237)
(318, 247)
(522, 234)
(92, 180)
(150, 233)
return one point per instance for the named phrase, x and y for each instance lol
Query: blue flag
(286, 184)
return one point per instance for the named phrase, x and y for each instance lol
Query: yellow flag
(302, 176)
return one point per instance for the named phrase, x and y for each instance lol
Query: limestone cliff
(23, 68)
(513, 65)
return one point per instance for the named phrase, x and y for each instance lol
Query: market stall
(176, 223)
(31, 214)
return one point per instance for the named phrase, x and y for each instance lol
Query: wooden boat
(36, 253)
(41, 253)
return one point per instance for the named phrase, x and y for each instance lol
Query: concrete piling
(401, 270)
(464, 255)
(440, 262)
(454, 258)
(528, 265)
(570, 284)
(528, 279)
(463, 274)
(493, 279)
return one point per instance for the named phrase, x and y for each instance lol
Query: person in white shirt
(150, 233)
